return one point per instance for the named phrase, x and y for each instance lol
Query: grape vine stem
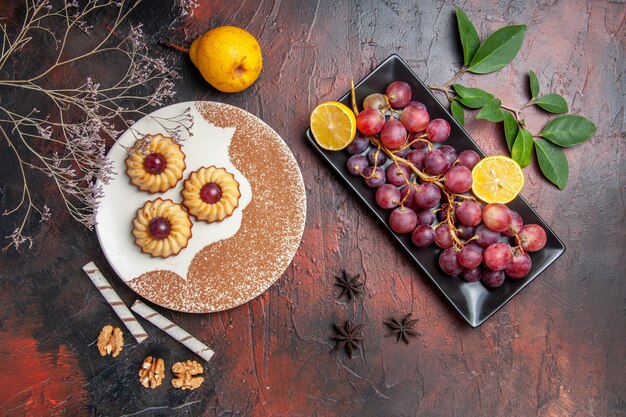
(451, 197)
(451, 95)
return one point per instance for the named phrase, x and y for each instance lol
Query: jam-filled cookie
(162, 228)
(211, 194)
(155, 163)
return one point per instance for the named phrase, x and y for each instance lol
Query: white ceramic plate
(206, 145)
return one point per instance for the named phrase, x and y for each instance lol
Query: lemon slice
(333, 125)
(497, 179)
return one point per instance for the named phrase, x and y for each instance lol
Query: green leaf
(457, 112)
(552, 103)
(522, 151)
(498, 49)
(474, 98)
(534, 84)
(552, 162)
(568, 130)
(469, 36)
(491, 111)
(510, 129)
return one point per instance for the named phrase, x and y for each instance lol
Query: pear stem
(174, 46)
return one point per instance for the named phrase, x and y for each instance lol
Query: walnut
(185, 372)
(152, 372)
(110, 341)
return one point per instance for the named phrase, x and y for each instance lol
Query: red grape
(423, 236)
(387, 196)
(414, 119)
(458, 179)
(473, 274)
(159, 227)
(449, 263)
(374, 179)
(427, 195)
(516, 225)
(469, 213)
(393, 134)
(438, 130)
(403, 220)
(416, 157)
(409, 201)
(465, 232)
(450, 154)
(210, 193)
(520, 265)
(426, 217)
(376, 157)
(533, 237)
(498, 256)
(443, 237)
(399, 94)
(468, 158)
(486, 236)
(359, 144)
(398, 174)
(154, 163)
(375, 101)
(417, 104)
(370, 121)
(497, 217)
(492, 279)
(470, 256)
(436, 162)
(357, 164)
(442, 215)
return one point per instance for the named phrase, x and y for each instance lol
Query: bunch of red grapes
(398, 151)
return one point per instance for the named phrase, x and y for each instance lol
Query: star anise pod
(351, 285)
(348, 336)
(402, 328)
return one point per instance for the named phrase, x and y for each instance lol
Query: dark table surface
(557, 349)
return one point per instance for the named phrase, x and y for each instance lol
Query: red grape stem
(406, 180)
(449, 212)
(375, 163)
(420, 138)
(519, 243)
(355, 108)
(465, 197)
(401, 202)
(475, 237)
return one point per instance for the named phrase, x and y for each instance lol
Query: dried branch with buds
(68, 142)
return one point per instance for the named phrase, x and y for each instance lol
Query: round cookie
(211, 194)
(162, 228)
(155, 163)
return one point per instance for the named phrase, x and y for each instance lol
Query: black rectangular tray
(475, 302)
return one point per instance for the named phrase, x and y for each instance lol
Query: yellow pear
(228, 57)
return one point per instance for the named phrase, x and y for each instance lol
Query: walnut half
(110, 341)
(152, 372)
(185, 372)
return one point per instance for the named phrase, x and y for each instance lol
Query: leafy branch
(494, 53)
